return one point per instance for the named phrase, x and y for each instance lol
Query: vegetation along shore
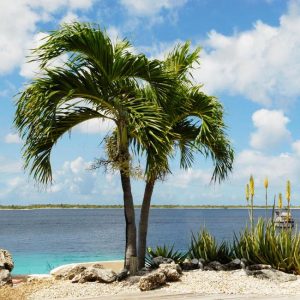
(94, 206)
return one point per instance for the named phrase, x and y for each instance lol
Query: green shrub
(205, 246)
(267, 245)
(263, 244)
(164, 251)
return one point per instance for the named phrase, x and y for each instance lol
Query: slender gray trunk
(143, 225)
(130, 242)
(130, 246)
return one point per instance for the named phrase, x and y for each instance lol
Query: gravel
(204, 282)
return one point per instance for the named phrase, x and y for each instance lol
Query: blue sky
(250, 60)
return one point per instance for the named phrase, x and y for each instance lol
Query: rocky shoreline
(192, 276)
(235, 282)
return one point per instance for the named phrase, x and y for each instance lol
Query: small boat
(283, 219)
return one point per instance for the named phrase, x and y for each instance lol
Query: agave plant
(205, 246)
(265, 245)
(166, 252)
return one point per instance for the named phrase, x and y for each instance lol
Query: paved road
(163, 296)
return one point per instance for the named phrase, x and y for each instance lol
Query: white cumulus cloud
(278, 168)
(12, 138)
(262, 64)
(270, 129)
(296, 147)
(183, 178)
(79, 165)
(8, 166)
(149, 7)
(69, 18)
(31, 69)
(53, 5)
(95, 126)
(18, 25)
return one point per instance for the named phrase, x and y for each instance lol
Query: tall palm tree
(196, 126)
(99, 80)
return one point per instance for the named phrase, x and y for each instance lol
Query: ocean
(40, 240)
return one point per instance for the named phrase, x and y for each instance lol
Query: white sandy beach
(197, 281)
(204, 282)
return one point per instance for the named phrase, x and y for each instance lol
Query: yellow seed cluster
(266, 183)
(247, 192)
(252, 187)
(288, 191)
(280, 200)
(250, 191)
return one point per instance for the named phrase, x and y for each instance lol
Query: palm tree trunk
(130, 242)
(130, 246)
(143, 225)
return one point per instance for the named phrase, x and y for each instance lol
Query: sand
(204, 282)
(196, 282)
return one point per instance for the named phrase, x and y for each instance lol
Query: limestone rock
(195, 263)
(152, 281)
(131, 280)
(106, 275)
(187, 265)
(74, 271)
(171, 271)
(272, 274)
(95, 274)
(171, 274)
(5, 277)
(233, 265)
(192, 264)
(201, 263)
(214, 266)
(6, 261)
(98, 266)
(244, 263)
(71, 270)
(258, 267)
(161, 260)
(122, 275)
(171, 266)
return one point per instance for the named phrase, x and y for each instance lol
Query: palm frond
(104, 77)
(181, 60)
(41, 136)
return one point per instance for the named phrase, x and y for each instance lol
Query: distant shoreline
(92, 206)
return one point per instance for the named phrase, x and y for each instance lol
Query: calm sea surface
(40, 240)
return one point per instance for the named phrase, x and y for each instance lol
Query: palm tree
(99, 80)
(196, 126)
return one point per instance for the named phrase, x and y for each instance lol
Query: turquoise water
(44, 263)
